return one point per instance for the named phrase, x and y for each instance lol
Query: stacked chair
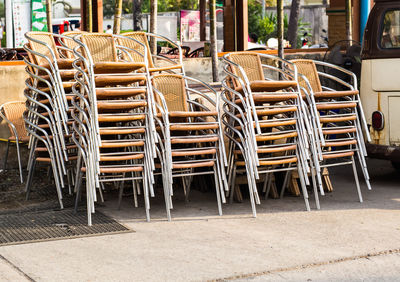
(113, 117)
(190, 130)
(101, 108)
(11, 113)
(48, 94)
(336, 109)
(265, 121)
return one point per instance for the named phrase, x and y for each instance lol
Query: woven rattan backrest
(309, 70)
(46, 38)
(13, 111)
(101, 46)
(251, 64)
(142, 38)
(172, 86)
(70, 43)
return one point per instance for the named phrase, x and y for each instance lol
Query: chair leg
(303, 188)
(19, 162)
(6, 155)
(30, 177)
(78, 184)
(233, 180)
(217, 190)
(314, 183)
(356, 179)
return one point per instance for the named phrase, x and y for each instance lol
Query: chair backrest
(309, 70)
(70, 43)
(172, 86)
(251, 64)
(13, 111)
(45, 37)
(142, 38)
(101, 46)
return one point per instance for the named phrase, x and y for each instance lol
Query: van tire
(396, 165)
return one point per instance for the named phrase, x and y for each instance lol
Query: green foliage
(163, 6)
(267, 28)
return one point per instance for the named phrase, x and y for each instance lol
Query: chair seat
(269, 86)
(194, 126)
(279, 149)
(121, 144)
(117, 169)
(115, 158)
(120, 105)
(340, 143)
(120, 117)
(272, 162)
(337, 155)
(272, 111)
(330, 131)
(270, 98)
(116, 67)
(194, 139)
(23, 139)
(271, 123)
(103, 93)
(193, 152)
(111, 80)
(335, 106)
(276, 136)
(334, 94)
(121, 130)
(61, 63)
(191, 114)
(334, 118)
(165, 68)
(193, 165)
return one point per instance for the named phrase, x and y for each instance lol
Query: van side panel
(385, 74)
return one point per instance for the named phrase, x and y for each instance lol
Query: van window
(390, 36)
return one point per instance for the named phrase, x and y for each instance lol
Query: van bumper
(384, 152)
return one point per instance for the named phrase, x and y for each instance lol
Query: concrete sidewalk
(284, 242)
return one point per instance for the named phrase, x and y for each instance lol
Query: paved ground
(345, 240)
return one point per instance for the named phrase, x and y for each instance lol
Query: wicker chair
(191, 132)
(265, 122)
(11, 113)
(130, 55)
(113, 124)
(339, 118)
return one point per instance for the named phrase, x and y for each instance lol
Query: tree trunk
(117, 16)
(213, 38)
(349, 27)
(90, 16)
(137, 14)
(153, 25)
(293, 23)
(49, 16)
(279, 12)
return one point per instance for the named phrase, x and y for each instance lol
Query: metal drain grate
(54, 225)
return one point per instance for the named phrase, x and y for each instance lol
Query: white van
(380, 80)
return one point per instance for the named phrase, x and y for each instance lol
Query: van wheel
(396, 165)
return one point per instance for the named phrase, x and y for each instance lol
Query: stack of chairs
(48, 94)
(265, 121)
(189, 124)
(113, 118)
(336, 109)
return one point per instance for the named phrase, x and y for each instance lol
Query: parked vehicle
(380, 80)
